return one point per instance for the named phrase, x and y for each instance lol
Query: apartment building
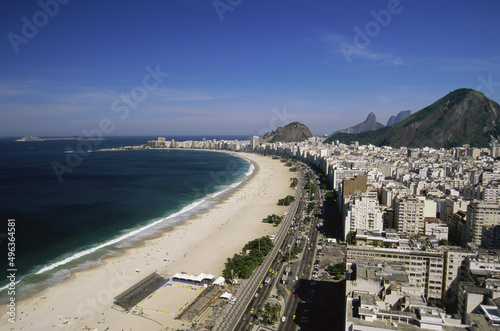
(480, 213)
(452, 213)
(392, 191)
(455, 271)
(362, 211)
(490, 236)
(424, 268)
(433, 227)
(409, 213)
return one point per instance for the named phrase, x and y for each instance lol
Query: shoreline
(118, 245)
(143, 233)
(202, 243)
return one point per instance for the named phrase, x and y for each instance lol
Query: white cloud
(346, 46)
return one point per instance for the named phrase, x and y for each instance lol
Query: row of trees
(242, 265)
(276, 219)
(286, 201)
(310, 185)
(310, 207)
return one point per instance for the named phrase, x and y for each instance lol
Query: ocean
(100, 203)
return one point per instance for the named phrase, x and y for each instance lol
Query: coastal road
(233, 314)
(303, 272)
(273, 275)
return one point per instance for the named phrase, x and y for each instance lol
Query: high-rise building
(255, 142)
(449, 207)
(494, 148)
(362, 212)
(409, 214)
(489, 194)
(490, 236)
(390, 192)
(455, 271)
(479, 214)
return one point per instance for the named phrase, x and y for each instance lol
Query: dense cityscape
(421, 227)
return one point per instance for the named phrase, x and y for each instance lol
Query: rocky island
(32, 138)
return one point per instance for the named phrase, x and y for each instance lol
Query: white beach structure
(219, 281)
(227, 295)
(192, 278)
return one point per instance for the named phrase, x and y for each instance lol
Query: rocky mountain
(399, 117)
(464, 116)
(368, 125)
(289, 133)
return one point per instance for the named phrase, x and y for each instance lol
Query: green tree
(337, 270)
(270, 314)
(286, 201)
(242, 265)
(311, 187)
(276, 219)
(351, 238)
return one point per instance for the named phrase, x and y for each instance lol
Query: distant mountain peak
(369, 124)
(399, 117)
(463, 116)
(292, 132)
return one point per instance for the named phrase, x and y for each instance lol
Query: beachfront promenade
(233, 313)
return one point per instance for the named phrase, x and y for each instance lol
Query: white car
(283, 319)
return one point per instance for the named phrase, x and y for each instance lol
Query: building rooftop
(378, 270)
(474, 289)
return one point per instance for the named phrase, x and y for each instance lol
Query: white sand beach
(200, 245)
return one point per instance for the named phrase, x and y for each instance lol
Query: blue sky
(235, 66)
